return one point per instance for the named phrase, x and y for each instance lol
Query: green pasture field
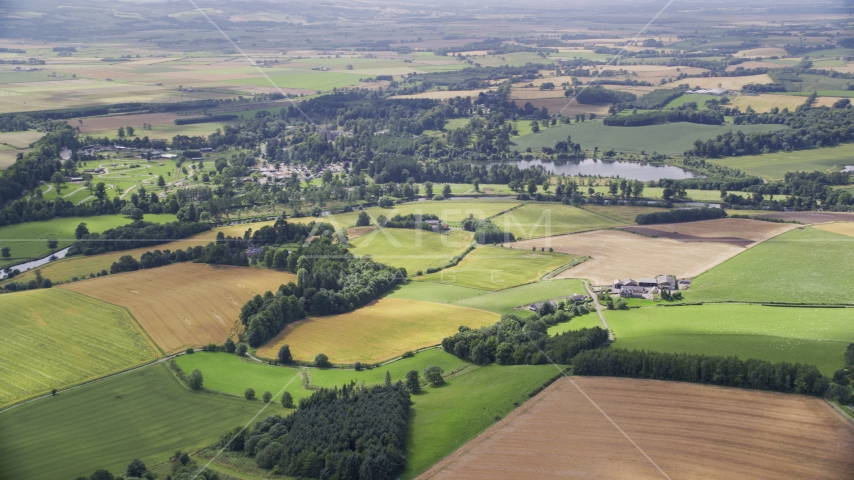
(806, 265)
(774, 166)
(505, 301)
(129, 174)
(671, 138)
(305, 79)
(169, 130)
(816, 336)
(441, 419)
(536, 220)
(145, 414)
(655, 193)
(622, 213)
(589, 320)
(496, 268)
(468, 189)
(29, 240)
(51, 338)
(691, 97)
(502, 301)
(412, 249)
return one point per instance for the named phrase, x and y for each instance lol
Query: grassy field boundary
(607, 217)
(506, 211)
(563, 268)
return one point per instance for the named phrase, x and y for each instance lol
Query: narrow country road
(598, 309)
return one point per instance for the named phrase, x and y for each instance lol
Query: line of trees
(705, 117)
(517, 341)
(351, 433)
(134, 235)
(715, 370)
(680, 215)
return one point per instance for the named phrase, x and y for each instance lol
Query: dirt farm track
(690, 431)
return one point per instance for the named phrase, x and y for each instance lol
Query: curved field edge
(441, 418)
(144, 414)
(380, 331)
(57, 339)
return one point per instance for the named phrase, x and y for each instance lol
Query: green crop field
(29, 240)
(816, 336)
(506, 300)
(496, 268)
(671, 138)
(799, 266)
(94, 338)
(441, 419)
(145, 414)
(435, 292)
(773, 166)
(412, 249)
(543, 220)
(20, 139)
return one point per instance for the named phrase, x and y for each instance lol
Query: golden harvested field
(730, 83)
(845, 228)
(688, 430)
(382, 330)
(753, 230)
(624, 213)
(20, 139)
(764, 102)
(617, 254)
(185, 304)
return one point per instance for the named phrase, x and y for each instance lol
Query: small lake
(23, 267)
(595, 167)
(848, 168)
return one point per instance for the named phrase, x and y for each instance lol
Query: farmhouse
(644, 287)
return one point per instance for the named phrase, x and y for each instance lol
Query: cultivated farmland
(382, 330)
(800, 266)
(689, 431)
(29, 240)
(815, 336)
(94, 339)
(543, 220)
(144, 414)
(412, 249)
(844, 228)
(185, 304)
(614, 254)
(773, 166)
(737, 231)
(496, 268)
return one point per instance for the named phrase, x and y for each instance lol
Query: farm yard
(379, 331)
(496, 268)
(186, 304)
(95, 339)
(805, 265)
(816, 336)
(765, 435)
(614, 254)
(145, 414)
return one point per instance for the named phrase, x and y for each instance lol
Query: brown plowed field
(690, 431)
(185, 304)
(734, 231)
(618, 254)
(809, 218)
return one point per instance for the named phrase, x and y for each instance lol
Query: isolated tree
(412, 382)
(387, 378)
(287, 400)
(433, 374)
(100, 191)
(285, 356)
(137, 214)
(229, 345)
(6, 252)
(241, 349)
(446, 190)
(52, 243)
(129, 131)
(57, 179)
(161, 182)
(195, 380)
(321, 361)
(532, 187)
(363, 220)
(136, 469)
(428, 189)
(249, 394)
(267, 396)
(121, 131)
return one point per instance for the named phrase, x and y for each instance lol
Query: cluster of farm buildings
(648, 287)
